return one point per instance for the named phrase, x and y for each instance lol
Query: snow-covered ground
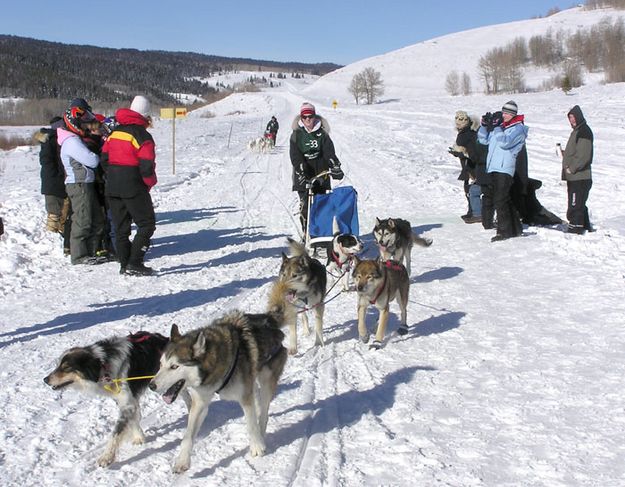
(512, 372)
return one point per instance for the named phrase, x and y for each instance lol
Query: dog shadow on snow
(351, 407)
(219, 413)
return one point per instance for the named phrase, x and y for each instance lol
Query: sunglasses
(307, 117)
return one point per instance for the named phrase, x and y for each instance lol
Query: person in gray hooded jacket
(576, 162)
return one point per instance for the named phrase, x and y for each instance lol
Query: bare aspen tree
(452, 83)
(357, 87)
(374, 86)
(466, 84)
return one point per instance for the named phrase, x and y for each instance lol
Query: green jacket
(578, 153)
(311, 153)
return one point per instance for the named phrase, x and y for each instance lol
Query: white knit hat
(510, 107)
(141, 105)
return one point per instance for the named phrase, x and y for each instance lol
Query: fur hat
(141, 105)
(307, 109)
(510, 107)
(462, 119)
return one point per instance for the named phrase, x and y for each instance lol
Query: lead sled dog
(395, 240)
(104, 368)
(239, 356)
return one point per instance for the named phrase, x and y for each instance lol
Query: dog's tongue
(168, 398)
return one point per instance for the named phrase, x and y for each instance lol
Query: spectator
(79, 164)
(576, 162)
(504, 133)
(311, 152)
(52, 176)
(466, 141)
(128, 157)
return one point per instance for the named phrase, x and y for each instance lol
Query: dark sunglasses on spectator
(307, 117)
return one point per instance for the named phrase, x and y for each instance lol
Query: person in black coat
(52, 175)
(472, 161)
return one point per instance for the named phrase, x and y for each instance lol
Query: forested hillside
(35, 69)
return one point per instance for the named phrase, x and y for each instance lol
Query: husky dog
(395, 240)
(259, 144)
(306, 280)
(239, 356)
(341, 252)
(107, 368)
(378, 283)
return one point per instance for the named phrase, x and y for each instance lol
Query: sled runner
(328, 213)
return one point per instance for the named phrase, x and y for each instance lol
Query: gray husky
(306, 281)
(395, 240)
(239, 356)
(378, 283)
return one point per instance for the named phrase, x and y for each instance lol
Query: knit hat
(510, 107)
(141, 105)
(80, 103)
(307, 109)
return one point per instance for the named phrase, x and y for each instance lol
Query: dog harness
(389, 264)
(230, 372)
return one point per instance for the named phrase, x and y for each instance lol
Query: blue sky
(339, 31)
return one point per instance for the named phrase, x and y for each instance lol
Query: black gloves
(497, 119)
(335, 169)
(301, 177)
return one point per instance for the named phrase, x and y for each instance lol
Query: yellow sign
(334, 104)
(169, 112)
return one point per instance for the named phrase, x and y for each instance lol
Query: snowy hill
(512, 371)
(420, 70)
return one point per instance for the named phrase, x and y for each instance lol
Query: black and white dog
(109, 367)
(341, 252)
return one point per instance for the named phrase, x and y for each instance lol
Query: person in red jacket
(128, 160)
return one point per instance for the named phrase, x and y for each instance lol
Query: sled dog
(378, 283)
(306, 280)
(239, 356)
(106, 368)
(395, 240)
(259, 144)
(341, 252)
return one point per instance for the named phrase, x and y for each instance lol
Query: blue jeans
(474, 199)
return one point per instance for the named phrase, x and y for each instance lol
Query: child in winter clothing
(79, 164)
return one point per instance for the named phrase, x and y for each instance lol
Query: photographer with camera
(312, 152)
(504, 133)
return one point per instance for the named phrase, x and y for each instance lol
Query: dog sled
(329, 213)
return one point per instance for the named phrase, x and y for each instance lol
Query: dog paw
(402, 330)
(181, 465)
(106, 459)
(138, 439)
(292, 351)
(257, 449)
(364, 338)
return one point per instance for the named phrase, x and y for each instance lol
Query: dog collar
(230, 372)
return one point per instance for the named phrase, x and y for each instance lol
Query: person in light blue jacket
(504, 133)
